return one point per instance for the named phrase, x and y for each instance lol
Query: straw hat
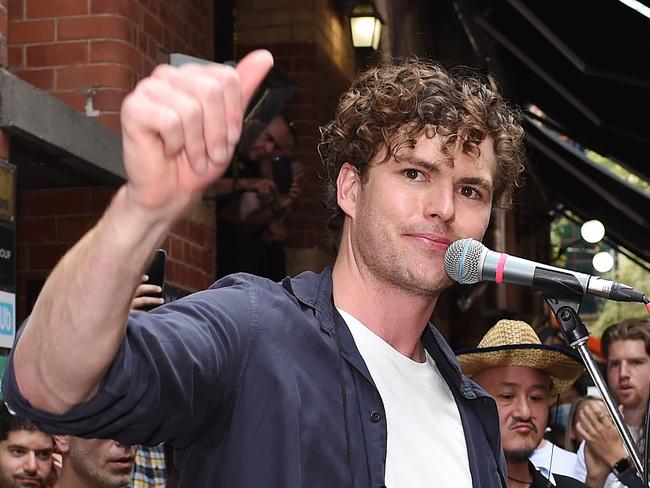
(514, 343)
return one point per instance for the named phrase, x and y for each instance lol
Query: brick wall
(94, 51)
(51, 221)
(3, 32)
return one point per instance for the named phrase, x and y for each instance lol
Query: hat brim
(561, 364)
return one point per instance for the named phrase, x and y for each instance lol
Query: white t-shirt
(562, 461)
(426, 443)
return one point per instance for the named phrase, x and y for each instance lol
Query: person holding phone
(291, 384)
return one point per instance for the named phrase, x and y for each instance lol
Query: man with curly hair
(322, 380)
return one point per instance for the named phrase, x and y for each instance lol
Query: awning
(590, 191)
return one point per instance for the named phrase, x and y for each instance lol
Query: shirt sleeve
(581, 468)
(176, 370)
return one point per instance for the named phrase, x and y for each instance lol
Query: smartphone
(156, 271)
(282, 174)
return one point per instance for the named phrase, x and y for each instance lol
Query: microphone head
(463, 259)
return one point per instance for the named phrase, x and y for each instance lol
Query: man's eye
(15, 451)
(413, 174)
(470, 192)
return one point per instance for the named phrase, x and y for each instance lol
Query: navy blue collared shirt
(260, 384)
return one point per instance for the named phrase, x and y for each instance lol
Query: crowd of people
(332, 379)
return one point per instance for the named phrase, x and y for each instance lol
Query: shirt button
(375, 416)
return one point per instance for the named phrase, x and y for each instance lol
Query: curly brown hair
(388, 107)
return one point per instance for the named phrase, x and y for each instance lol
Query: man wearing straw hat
(525, 377)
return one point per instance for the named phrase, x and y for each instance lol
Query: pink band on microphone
(500, 267)
(647, 305)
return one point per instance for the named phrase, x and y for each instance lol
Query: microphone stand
(565, 304)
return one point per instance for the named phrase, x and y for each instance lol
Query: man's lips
(433, 241)
(29, 480)
(125, 462)
(523, 428)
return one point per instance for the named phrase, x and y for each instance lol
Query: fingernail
(219, 155)
(202, 165)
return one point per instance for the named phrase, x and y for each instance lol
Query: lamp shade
(365, 25)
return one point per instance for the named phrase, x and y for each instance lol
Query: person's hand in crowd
(180, 127)
(603, 446)
(145, 295)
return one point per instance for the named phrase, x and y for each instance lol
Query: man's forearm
(80, 316)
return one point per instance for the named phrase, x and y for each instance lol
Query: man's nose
(521, 409)
(30, 465)
(624, 372)
(441, 203)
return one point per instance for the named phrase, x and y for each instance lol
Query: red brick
(40, 78)
(4, 146)
(180, 229)
(108, 100)
(16, 9)
(75, 99)
(94, 76)
(59, 54)
(196, 257)
(115, 52)
(71, 229)
(56, 8)
(23, 257)
(194, 279)
(94, 27)
(170, 270)
(67, 201)
(45, 256)
(195, 232)
(111, 121)
(175, 247)
(100, 197)
(31, 31)
(15, 57)
(126, 8)
(35, 230)
(152, 26)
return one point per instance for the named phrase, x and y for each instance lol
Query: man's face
(522, 396)
(275, 140)
(101, 463)
(628, 372)
(408, 211)
(25, 459)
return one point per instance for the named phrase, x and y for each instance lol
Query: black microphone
(468, 261)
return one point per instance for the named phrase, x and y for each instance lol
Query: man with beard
(94, 463)
(602, 458)
(330, 379)
(525, 377)
(25, 453)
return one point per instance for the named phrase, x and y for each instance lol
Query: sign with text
(7, 319)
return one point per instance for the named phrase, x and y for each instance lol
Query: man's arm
(179, 130)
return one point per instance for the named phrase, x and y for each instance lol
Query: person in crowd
(330, 379)
(524, 376)
(94, 463)
(251, 216)
(603, 460)
(25, 453)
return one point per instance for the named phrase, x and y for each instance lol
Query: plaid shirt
(149, 471)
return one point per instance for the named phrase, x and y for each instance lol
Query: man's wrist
(623, 464)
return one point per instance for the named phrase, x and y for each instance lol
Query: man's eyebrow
(540, 386)
(483, 183)
(433, 166)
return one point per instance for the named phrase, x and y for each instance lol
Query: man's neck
(70, 479)
(519, 474)
(396, 316)
(634, 416)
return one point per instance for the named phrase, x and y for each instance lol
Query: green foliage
(618, 170)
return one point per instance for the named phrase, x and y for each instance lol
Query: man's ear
(348, 184)
(62, 443)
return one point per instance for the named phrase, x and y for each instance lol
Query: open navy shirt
(260, 384)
